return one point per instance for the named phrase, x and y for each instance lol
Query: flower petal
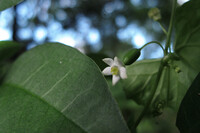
(122, 72)
(115, 79)
(117, 62)
(107, 71)
(108, 61)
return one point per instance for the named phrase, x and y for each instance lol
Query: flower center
(114, 70)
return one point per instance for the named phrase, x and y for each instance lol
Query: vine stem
(156, 42)
(170, 26)
(154, 88)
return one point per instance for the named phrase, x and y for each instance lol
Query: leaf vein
(37, 70)
(55, 84)
(81, 93)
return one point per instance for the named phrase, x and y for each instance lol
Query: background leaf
(8, 3)
(188, 114)
(139, 76)
(60, 79)
(171, 88)
(4, 68)
(187, 25)
(8, 52)
(8, 49)
(97, 58)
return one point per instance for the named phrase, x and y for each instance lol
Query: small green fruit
(131, 56)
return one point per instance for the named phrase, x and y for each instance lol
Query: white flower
(115, 68)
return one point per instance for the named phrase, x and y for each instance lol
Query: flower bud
(174, 56)
(168, 59)
(131, 56)
(154, 13)
(158, 108)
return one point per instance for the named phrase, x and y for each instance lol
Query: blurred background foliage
(106, 26)
(99, 28)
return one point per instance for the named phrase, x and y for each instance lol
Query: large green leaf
(188, 114)
(60, 88)
(187, 26)
(171, 88)
(24, 112)
(8, 3)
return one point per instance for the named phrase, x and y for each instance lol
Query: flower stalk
(162, 27)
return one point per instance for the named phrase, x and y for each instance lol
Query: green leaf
(22, 111)
(187, 25)
(171, 88)
(188, 115)
(118, 93)
(139, 74)
(8, 49)
(60, 86)
(4, 4)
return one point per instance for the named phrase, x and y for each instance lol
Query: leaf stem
(156, 42)
(154, 88)
(170, 26)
